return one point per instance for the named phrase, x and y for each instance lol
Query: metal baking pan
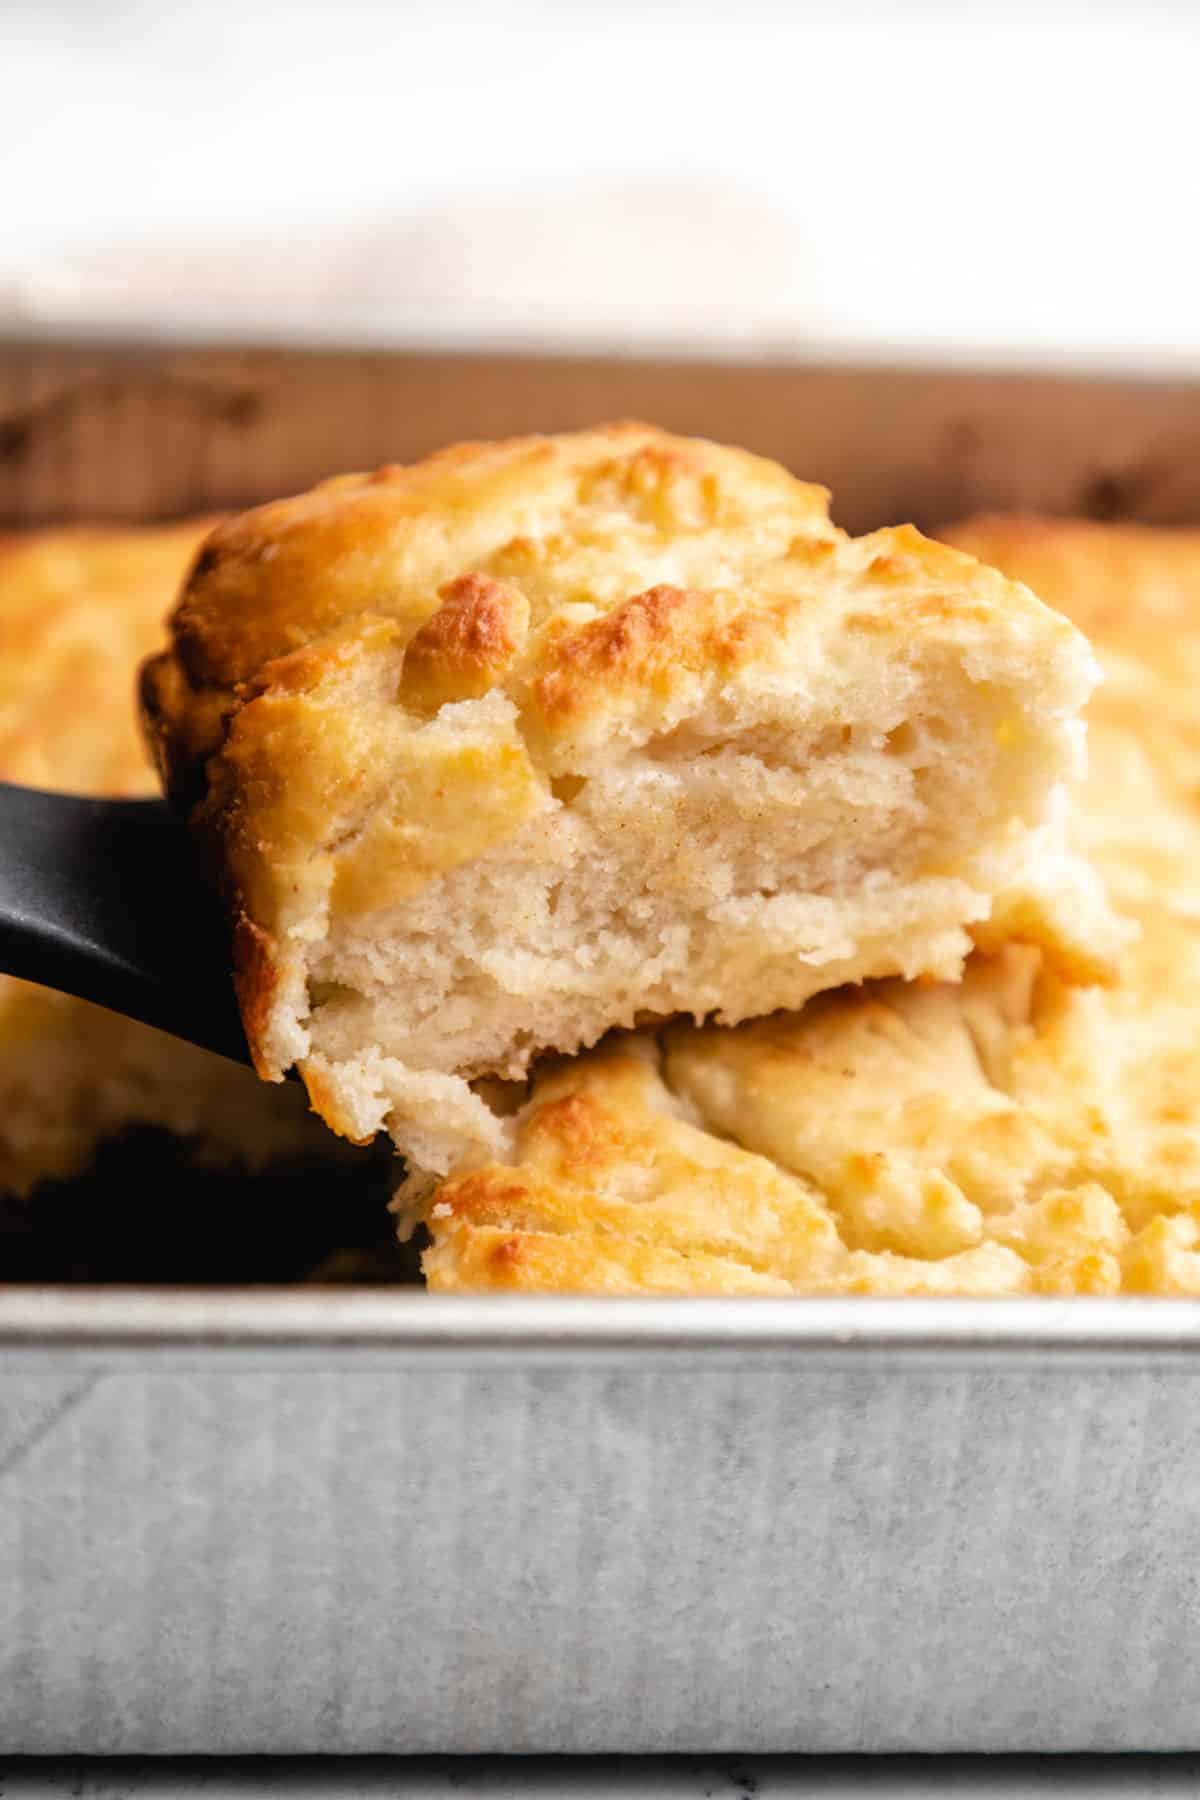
(338, 1521)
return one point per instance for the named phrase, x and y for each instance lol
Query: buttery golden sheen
(533, 739)
(79, 608)
(1010, 1134)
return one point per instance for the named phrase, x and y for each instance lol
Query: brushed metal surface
(103, 1326)
(470, 1557)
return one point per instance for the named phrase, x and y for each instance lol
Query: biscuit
(1013, 1133)
(535, 739)
(79, 608)
(1135, 591)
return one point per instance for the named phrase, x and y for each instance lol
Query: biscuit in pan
(1010, 1134)
(1135, 591)
(533, 739)
(79, 608)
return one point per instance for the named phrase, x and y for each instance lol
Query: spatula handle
(100, 898)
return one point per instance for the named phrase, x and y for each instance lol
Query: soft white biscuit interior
(760, 850)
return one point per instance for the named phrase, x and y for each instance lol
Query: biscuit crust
(80, 607)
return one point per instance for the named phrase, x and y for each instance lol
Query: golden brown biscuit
(1135, 591)
(79, 608)
(1011, 1134)
(500, 751)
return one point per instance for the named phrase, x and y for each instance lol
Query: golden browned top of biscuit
(599, 579)
(1128, 586)
(1011, 1134)
(79, 608)
(537, 509)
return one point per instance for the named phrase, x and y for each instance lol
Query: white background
(960, 175)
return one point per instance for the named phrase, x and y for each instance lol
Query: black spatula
(100, 898)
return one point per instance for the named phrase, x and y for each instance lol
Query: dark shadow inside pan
(145, 1212)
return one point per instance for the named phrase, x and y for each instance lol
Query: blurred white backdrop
(1021, 177)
